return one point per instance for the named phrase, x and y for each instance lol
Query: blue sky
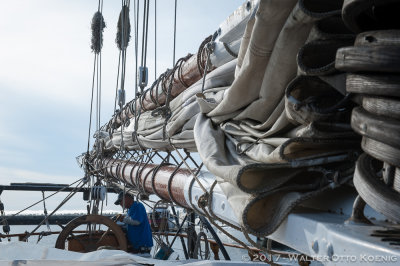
(46, 73)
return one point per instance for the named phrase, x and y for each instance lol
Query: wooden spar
(186, 74)
(152, 178)
(190, 71)
(170, 184)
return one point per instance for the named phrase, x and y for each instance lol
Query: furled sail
(272, 125)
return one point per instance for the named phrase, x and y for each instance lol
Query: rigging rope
(143, 71)
(91, 102)
(197, 247)
(70, 195)
(173, 60)
(45, 212)
(155, 40)
(116, 88)
(136, 24)
(97, 27)
(30, 206)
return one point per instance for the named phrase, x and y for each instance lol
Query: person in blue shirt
(138, 227)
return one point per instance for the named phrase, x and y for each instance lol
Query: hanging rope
(173, 60)
(143, 71)
(155, 39)
(136, 22)
(97, 26)
(116, 88)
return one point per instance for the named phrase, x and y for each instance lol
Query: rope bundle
(124, 25)
(98, 26)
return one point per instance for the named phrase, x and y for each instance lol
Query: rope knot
(164, 111)
(203, 200)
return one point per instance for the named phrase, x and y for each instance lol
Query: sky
(46, 76)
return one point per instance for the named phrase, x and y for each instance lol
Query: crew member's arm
(130, 221)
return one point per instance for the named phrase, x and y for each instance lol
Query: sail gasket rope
(251, 251)
(155, 170)
(190, 170)
(209, 48)
(180, 75)
(170, 195)
(229, 50)
(139, 172)
(209, 205)
(204, 201)
(165, 110)
(200, 66)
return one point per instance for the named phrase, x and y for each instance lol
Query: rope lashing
(229, 50)
(124, 29)
(98, 26)
(200, 55)
(209, 50)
